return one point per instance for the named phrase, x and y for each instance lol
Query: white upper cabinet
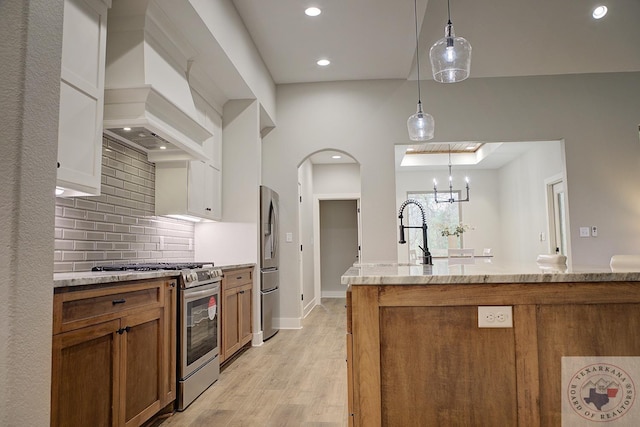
(82, 96)
(188, 190)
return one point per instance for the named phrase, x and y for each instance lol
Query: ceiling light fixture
(599, 12)
(451, 197)
(450, 56)
(127, 129)
(336, 157)
(420, 125)
(312, 11)
(323, 62)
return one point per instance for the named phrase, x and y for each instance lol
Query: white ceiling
(374, 39)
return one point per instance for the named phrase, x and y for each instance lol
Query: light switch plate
(289, 237)
(584, 232)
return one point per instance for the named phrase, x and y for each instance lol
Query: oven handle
(190, 296)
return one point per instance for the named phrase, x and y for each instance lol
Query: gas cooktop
(153, 266)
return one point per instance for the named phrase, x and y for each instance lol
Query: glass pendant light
(420, 125)
(450, 56)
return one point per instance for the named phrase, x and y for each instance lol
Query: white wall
(31, 34)
(596, 114)
(523, 203)
(336, 179)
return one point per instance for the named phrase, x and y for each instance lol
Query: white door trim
(317, 288)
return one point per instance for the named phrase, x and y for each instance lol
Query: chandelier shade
(450, 56)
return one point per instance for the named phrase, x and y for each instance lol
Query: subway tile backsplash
(119, 225)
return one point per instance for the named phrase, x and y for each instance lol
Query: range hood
(145, 119)
(148, 101)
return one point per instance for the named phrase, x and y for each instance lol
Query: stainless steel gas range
(198, 332)
(198, 327)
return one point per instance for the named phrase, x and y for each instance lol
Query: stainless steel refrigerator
(269, 261)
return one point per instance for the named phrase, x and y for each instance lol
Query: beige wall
(597, 115)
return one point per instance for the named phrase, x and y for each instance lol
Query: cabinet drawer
(76, 309)
(235, 278)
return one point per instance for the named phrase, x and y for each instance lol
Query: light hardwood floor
(297, 378)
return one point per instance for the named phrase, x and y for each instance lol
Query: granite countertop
(81, 278)
(478, 270)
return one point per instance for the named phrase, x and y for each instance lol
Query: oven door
(199, 327)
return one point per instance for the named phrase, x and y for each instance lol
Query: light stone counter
(82, 278)
(235, 266)
(477, 270)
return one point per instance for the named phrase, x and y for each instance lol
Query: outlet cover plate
(495, 316)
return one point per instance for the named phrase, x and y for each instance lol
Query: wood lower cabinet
(416, 356)
(237, 290)
(113, 366)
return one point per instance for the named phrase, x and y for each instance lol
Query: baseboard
(257, 339)
(289, 323)
(334, 294)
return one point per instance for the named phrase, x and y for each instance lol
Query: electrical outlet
(495, 316)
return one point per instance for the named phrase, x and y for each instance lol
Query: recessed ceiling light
(599, 12)
(336, 157)
(323, 62)
(163, 147)
(312, 11)
(127, 129)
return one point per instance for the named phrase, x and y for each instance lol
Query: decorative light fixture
(420, 124)
(450, 56)
(450, 199)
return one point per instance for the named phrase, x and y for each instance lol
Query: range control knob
(194, 276)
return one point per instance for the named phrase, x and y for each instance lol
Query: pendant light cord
(449, 11)
(415, 15)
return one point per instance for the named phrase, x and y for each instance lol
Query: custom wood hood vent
(148, 101)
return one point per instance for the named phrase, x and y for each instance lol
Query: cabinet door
(213, 190)
(85, 368)
(244, 301)
(82, 96)
(141, 375)
(231, 336)
(196, 188)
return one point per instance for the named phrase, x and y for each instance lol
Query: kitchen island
(417, 357)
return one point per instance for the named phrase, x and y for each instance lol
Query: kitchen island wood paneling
(416, 355)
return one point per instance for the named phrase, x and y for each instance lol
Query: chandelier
(450, 198)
